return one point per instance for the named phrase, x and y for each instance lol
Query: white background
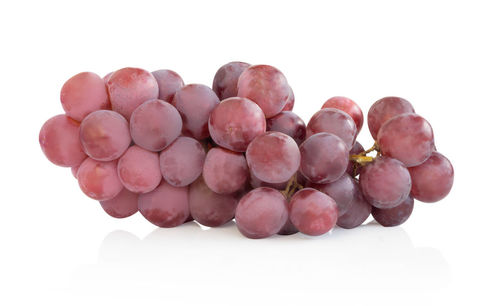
(59, 248)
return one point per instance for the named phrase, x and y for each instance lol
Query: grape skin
(210, 208)
(290, 101)
(181, 163)
(169, 82)
(288, 123)
(385, 182)
(312, 212)
(74, 170)
(83, 94)
(273, 157)
(195, 102)
(60, 142)
(139, 170)
(123, 205)
(394, 216)
(155, 124)
(356, 149)
(385, 109)
(256, 183)
(261, 213)
(266, 86)
(225, 83)
(165, 206)
(350, 107)
(342, 191)
(235, 122)
(225, 171)
(130, 87)
(357, 213)
(324, 158)
(432, 180)
(105, 135)
(99, 180)
(408, 138)
(333, 121)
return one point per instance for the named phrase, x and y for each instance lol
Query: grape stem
(292, 186)
(361, 159)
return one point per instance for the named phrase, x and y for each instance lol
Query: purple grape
(169, 82)
(333, 121)
(225, 83)
(290, 101)
(312, 212)
(256, 183)
(324, 158)
(288, 123)
(350, 107)
(342, 191)
(385, 182)
(139, 170)
(394, 216)
(261, 213)
(385, 109)
(357, 213)
(99, 180)
(407, 138)
(356, 149)
(123, 205)
(432, 180)
(288, 228)
(225, 171)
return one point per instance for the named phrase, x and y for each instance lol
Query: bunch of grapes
(141, 141)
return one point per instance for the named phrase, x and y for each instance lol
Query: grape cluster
(141, 141)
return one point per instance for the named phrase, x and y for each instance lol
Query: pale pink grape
(385, 109)
(99, 180)
(123, 205)
(139, 170)
(432, 180)
(225, 171)
(169, 82)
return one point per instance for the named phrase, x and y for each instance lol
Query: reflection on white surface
(188, 259)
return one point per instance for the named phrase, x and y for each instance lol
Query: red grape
(261, 213)
(105, 135)
(288, 123)
(130, 87)
(169, 82)
(313, 212)
(432, 180)
(333, 121)
(324, 158)
(74, 170)
(394, 216)
(383, 110)
(225, 171)
(385, 182)
(266, 86)
(139, 170)
(225, 83)
(290, 101)
(358, 212)
(350, 107)
(99, 180)
(182, 161)
(256, 183)
(273, 157)
(83, 94)
(123, 205)
(106, 79)
(155, 124)
(342, 191)
(235, 122)
(288, 228)
(407, 138)
(195, 102)
(165, 206)
(356, 149)
(60, 142)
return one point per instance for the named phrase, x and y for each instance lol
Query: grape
(385, 182)
(195, 102)
(169, 82)
(155, 124)
(290, 101)
(266, 86)
(165, 206)
(60, 142)
(312, 212)
(333, 121)
(130, 87)
(288, 228)
(261, 213)
(350, 107)
(210, 208)
(139, 170)
(256, 183)
(74, 170)
(342, 191)
(182, 161)
(83, 94)
(288, 123)
(99, 180)
(225, 83)
(273, 157)
(105, 135)
(407, 138)
(235, 122)
(106, 79)
(356, 149)
(394, 216)
(123, 205)
(358, 212)
(225, 171)
(432, 180)
(383, 110)
(324, 158)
